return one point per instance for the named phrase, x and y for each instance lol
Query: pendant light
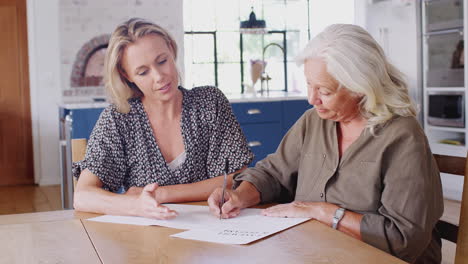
(253, 26)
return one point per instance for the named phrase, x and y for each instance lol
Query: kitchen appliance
(446, 109)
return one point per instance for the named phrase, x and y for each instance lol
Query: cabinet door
(292, 111)
(263, 139)
(445, 66)
(264, 112)
(84, 121)
(445, 14)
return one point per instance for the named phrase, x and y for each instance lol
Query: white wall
(54, 38)
(44, 69)
(325, 12)
(395, 25)
(82, 20)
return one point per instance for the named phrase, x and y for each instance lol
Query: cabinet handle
(254, 111)
(254, 144)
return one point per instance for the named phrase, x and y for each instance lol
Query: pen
(224, 190)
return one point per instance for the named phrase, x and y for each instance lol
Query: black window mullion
(213, 33)
(285, 62)
(215, 59)
(242, 63)
(308, 19)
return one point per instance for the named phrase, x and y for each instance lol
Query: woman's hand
(297, 209)
(232, 203)
(234, 200)
(148, 206)
(320, 211)
(294, 209)
(134, 190)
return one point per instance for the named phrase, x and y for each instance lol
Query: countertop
(233, 98)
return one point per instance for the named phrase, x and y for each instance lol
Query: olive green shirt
(390, 177)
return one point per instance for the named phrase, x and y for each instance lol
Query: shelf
(446, 89)
(448, 129)
(443, 26)
(447, 149)
(458, 29)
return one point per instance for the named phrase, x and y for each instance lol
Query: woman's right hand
(245, 195)
(232, 203)
(147, 206)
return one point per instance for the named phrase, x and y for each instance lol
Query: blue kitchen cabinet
(262, 139)
(265, 123)
(254, 113)
(292, 111)
(282, 113)
(82, 120)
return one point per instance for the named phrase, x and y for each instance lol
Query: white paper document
(249, 226)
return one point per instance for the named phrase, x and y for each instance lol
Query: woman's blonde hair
(359, 64)
(118, 87)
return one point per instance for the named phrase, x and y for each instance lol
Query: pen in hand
(224, 190)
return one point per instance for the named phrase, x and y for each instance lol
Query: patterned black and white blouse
(122, 150)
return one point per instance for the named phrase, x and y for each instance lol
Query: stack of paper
(249, 226)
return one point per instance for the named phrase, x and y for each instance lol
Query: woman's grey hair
(119, 89)
(358, 63)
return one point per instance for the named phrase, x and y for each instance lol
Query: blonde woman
(358, 161)
(160, 142)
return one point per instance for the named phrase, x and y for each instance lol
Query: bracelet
(339, 213)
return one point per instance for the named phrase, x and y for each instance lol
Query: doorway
(16, 152)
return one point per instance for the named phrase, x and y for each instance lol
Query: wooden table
(35, 239)
(67, 237)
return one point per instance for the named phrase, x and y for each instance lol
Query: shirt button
(321, 195)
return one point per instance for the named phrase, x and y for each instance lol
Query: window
(217, 53)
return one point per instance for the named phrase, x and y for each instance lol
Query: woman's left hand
(320, 211)
(294, 209)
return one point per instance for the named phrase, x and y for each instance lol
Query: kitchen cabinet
(265, 123)
(445, 83)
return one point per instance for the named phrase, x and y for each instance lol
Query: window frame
(241, 50)
(285, 56)
(215, 49)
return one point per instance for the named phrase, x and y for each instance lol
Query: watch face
(337, 217)
(339, 212)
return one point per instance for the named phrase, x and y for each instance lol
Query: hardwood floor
(29, 198)
(32, 198)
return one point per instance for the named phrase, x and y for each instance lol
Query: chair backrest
(78, 151)
(459, 235)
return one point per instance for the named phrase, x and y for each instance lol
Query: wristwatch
(339, 213)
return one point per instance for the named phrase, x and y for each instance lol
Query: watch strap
(339, 213)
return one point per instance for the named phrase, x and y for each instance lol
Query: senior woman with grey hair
(358, 161)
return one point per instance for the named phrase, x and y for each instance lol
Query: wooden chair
(456, 234)
(78, 152)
